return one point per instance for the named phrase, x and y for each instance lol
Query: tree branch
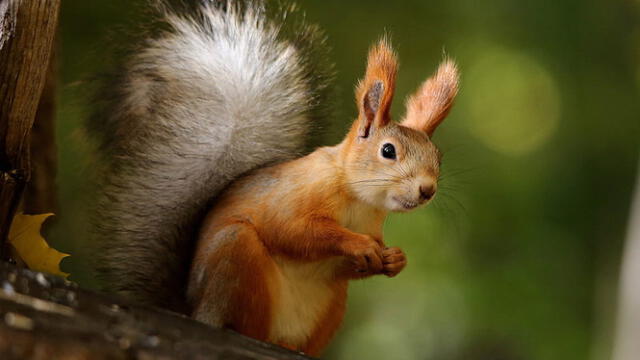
(46, 317)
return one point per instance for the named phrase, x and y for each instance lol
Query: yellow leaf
(24, 235)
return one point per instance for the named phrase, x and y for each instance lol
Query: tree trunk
(626, 345)
(27, 29)
(40, 193)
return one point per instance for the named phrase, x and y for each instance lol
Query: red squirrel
(200, 192)
(297, 232)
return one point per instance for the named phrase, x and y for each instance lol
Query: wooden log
(27, 30)
(46, 317)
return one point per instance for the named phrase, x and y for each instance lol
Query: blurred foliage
(518, 256)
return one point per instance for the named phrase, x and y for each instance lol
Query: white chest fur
(302, 298)
(302, 290)
(362, 219)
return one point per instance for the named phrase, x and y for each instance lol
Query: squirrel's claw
(393, 261)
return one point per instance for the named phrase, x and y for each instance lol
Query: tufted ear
(431, 103)
(375, 92)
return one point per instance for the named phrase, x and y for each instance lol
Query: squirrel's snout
(427, 191)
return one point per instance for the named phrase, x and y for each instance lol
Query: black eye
(388, 151)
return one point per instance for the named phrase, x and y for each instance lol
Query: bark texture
(46, 317)
(27, 30)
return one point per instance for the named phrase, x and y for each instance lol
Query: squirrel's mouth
(406, 204)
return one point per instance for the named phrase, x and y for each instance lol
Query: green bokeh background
(518, 256)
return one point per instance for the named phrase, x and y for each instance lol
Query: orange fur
(432, 102)
(278, 248)
(329, 324)
(382, 67)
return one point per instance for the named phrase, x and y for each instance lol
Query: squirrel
(208, 205)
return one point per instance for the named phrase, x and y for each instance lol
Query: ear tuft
(374, 93)
(428, 107)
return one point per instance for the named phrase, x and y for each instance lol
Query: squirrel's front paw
(393, 260)
(365, 255)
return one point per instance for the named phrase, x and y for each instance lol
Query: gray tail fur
(221, 88)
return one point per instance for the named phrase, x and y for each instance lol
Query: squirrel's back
(222, 88)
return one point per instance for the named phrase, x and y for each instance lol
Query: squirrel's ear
(375, 92)
(431, 103)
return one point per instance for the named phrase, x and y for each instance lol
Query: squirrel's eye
(388, 151)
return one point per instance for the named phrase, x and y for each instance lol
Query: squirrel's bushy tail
(222, 88)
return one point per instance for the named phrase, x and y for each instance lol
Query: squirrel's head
(395, 166)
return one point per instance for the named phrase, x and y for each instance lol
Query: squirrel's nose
(427, 191)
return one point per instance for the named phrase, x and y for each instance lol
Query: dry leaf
(25, 237)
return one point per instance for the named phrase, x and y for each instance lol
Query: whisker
(370, 181)
(457, 202)
(374, 185)
(376, 172)
(457, 172)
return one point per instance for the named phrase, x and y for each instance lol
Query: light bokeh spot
(515, 102)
